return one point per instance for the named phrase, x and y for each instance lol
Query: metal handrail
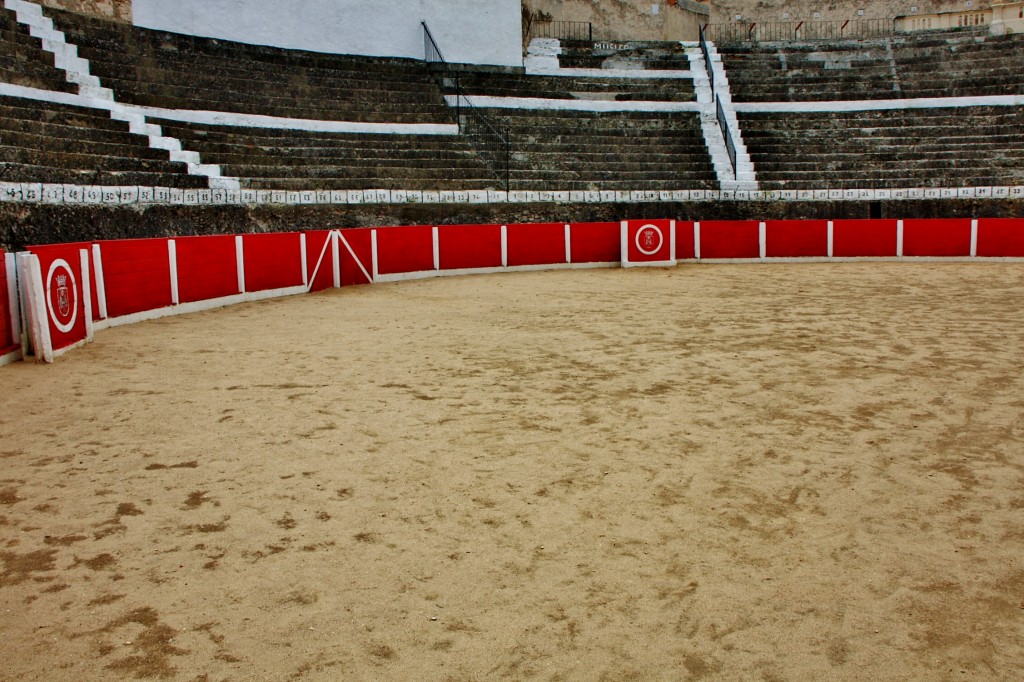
(497, 148)
(707, 58)
(579, 31)
(730, 144)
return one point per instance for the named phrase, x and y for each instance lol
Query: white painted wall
(468, 31)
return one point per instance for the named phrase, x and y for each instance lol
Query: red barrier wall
(536, 244)
(136, 275)
(796, 238)
(405, 249)
(6, 333)
(207, 268)
(596, 242)
(272, 261)
(63, 291)
(729, 239)
(319, 260)
(1001, 237)
(853, 238)
(924, 237)
(684, 240)
(469, 246)
(355, 250)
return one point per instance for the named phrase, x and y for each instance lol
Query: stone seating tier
(23, 60)
(560, 87)
(46, 142)
(972, 146)
(571, 150)
(946, 64)
(160, 69)
(285, 159)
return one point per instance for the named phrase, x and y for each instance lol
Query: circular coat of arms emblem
(649, 239)
(62, 295)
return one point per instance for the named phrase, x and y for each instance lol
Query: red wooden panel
(796, 238)
(355, 250)
(536, 244)
(937, 237)
(648, 241)
(596, 243)
(1001, 237)
(6, 332)
(729, 239)
(469, 246)
(405, 249)
(63, 288)
(136, 275)
(207, 268)
(319, 260)
(853, 238)
(272, 260)
(684, 240)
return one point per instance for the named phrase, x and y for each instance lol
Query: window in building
(817, 15)
(785, 15)
(860, 13)
(913, 9)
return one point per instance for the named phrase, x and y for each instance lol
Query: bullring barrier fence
(56, 296)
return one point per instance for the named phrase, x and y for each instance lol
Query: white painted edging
(427, 274)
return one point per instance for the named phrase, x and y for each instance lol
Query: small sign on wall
(648, 243)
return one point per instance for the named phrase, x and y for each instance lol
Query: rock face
(726, 11)
(119, 10)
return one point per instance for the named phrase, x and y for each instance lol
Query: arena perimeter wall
(58, 294)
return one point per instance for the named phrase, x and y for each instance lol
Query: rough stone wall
(725, 11)
(119, 10)
(625, 19)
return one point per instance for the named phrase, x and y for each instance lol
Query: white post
(240, 262)
(36, 296)
(303, 257)
(373, 255)
(101, 285)
(974, 238)
(672, 241)
(568, 243)
(86, 292)
(336, 258)
(624, 242)
(172, 258)
(762, 239)
(696, 240)
(899, 238)
(504, 246)
(831, 232)
(436, 237)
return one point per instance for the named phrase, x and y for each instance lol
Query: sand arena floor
(709, 472)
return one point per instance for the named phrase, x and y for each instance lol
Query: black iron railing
(707, 58)
(492, 143)
(578, 31)
(730, 144)
(780, 31)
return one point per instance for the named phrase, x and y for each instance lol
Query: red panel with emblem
(355, 250)
(6, 321)
(536, 244)
(319, 260)
(730, 239)
(595, 242)
(469, 246)
(863, 238)
(796, 238)
(207, 268)
(272, 260)
(64, 287)
(1001, 237)
(405, 249)
(948, 237)
(648, 241)
(136, 275)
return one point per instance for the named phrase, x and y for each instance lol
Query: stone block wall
(628, 19)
